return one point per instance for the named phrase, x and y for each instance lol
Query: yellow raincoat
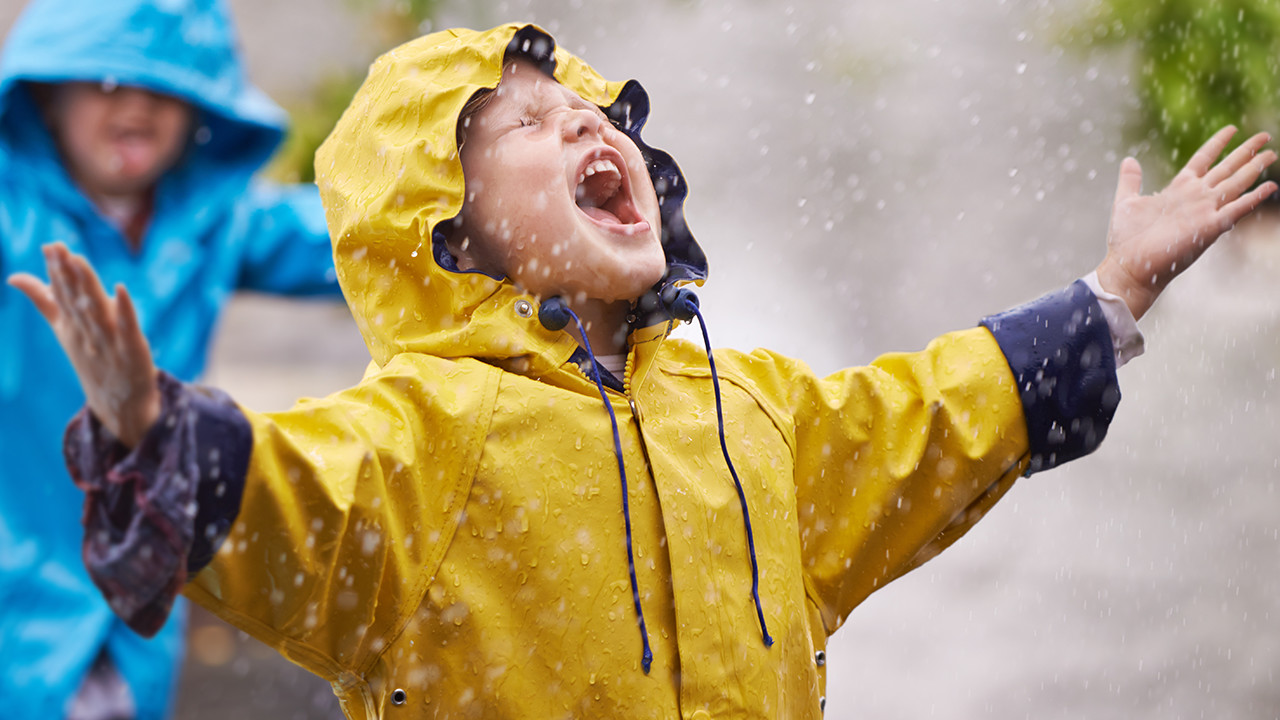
(446, 538)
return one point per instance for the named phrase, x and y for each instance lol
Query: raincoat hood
(182, 48)
(391, 176)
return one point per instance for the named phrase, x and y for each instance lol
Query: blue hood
(184, 48)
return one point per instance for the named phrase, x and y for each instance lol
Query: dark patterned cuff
(156, 514)
(1059, 348)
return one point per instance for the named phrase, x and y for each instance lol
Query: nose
(579, 124)
(137, 97)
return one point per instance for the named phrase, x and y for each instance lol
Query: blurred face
(558, 199)
(118, 141)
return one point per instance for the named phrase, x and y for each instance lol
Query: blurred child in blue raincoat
(129, 131)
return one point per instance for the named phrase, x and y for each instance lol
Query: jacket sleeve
(897, 460)
(286, 247)
(156, 514)
(349, 503)
(308, 529)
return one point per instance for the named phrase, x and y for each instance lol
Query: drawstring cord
(555, 315)
(683, 304)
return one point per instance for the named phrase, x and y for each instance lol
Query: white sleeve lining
(1125, 335)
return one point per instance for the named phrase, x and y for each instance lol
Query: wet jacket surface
(446, 539)
(213, 231)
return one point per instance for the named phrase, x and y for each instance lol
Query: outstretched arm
(103, 340)
(157, 509)
(1153, 238)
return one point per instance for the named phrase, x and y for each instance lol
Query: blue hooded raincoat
(213, 231)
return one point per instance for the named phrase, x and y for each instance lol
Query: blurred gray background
(866, 175)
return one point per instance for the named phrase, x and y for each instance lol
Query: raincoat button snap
(700, 715)
(822, 703)
(820, 658)
(524, 308)
(397, 697)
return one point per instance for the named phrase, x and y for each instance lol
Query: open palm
(1152, 238)
(103, 340)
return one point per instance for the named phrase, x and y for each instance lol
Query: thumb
(1130, 184)
(38, 293)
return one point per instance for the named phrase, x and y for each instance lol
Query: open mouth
(603, 192)
(134, 150)
(132, 132)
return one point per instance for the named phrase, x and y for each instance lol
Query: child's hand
(1152, 238)
(101, 338)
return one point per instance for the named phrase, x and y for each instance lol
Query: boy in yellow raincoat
(536, 503)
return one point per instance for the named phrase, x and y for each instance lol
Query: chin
(116, 183)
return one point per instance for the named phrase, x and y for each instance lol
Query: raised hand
(102, 339)
(1153, 238)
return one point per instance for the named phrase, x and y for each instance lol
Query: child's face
(117, 141)
(558, 199)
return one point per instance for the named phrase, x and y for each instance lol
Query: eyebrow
(585, 103)
(507, 114)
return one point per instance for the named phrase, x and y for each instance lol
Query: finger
(1204, 158)
(1233, 211)
(1244, 178)
(53, 248)
(1237, 159)
(96, 306)
(40, 295)
(66, 288)
(54, 254)
(58, 279)
(1130, 183)
(92, 310)
(71, 330)
(72, 301)
(130, 330)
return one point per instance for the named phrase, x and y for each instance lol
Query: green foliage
(1200, 65)
(393, 22)
(310, 123)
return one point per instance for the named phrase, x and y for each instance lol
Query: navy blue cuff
(1059, 348)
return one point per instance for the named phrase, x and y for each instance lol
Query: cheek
(174, 127)
(80, 132)
(645, 197)
(82, 150)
